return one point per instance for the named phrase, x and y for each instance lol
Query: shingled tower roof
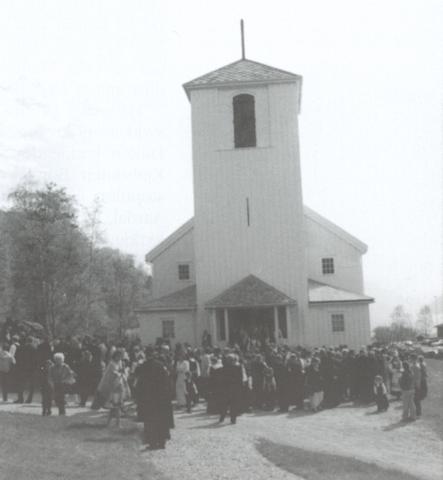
(242, 72)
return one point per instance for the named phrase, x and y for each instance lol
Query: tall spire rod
(242, 28)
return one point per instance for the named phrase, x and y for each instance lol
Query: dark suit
(231, 378)
(154, 397)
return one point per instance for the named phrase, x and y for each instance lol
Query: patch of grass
(51, 448)
(325, 466)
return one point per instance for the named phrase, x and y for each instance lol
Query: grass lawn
(68, 448)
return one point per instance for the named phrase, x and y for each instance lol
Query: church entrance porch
(252, 326)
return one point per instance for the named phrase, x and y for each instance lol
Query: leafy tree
(58, 274)
(383, 334)
(399, 330)
(424, 320)
(6, 291)
(400, 316)
(46, 253)
(124, 285)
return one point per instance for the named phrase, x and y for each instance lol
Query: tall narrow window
(244, 121)
(184, 271)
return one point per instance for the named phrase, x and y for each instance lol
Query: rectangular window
(168, 328)
(327, 265)
(184, 271)
(220, 324)
(338, 322)
(282, 322)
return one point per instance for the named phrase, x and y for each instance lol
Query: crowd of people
(231, 381)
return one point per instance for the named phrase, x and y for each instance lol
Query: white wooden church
(253, 258)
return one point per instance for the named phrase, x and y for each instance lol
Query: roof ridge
(287, 72)
(212, 71)
(233, 73)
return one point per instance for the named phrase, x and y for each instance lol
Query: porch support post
(290, 318)
(213, 325)
(276, 324)
(225, 311)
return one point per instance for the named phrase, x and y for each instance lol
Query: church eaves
(323, 293)
(242, 72)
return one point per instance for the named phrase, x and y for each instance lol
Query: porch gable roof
(250, 292)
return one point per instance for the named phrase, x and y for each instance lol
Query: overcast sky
(91, 98)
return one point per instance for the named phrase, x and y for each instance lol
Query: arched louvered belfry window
(244, 121)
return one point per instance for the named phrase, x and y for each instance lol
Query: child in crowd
(46, 388)
(116, 400)
(61, 377)
(396, 371)
(381, 394)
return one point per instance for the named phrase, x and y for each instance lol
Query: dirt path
(202, 448)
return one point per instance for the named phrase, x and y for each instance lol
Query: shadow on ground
(324, 466)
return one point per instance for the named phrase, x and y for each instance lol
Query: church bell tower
(247, 185)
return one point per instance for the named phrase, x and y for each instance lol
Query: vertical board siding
(165, 266)
(347, 259)
(151, 326)
(273, 246)
(357, 326)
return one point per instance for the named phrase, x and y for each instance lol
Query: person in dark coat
(257, 367)
(26, 369)
(315, 385)
(380, 394)
(232, 381)
(282, 380)
(154, 396)
(297, 380)
(215, 386)
(86, 377)
(44, 352)
(46, 387)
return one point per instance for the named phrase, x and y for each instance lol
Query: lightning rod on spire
(242, 28)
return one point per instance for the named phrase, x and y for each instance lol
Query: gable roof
(335, 229)
(170, 240)
(242, 71)
(184, 299)
(250, 292)
(308, 212)
(323, 293)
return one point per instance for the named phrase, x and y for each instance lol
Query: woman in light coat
(181, 369)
